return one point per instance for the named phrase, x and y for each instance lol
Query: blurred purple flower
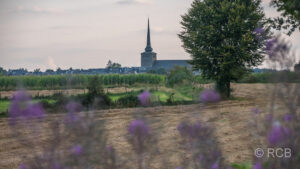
(108, 148)
(277, 49)
(144, 98)
(257, 166)
(270, 44)
(277, 134)
(200, 157)
(259, 32)
(255, 110)
(56, 166)
(138, 128)
(288, 117)
(210, 96)
(71, 117)
(22, 108)
(215, 166)
(184, 129)
(77, 150)
(73, 107)
(193, 131)
(23, 166)
(269, 117)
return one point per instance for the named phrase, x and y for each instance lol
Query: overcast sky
(86, 34)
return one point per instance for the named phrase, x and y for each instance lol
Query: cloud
(133, 2)
(37, 9)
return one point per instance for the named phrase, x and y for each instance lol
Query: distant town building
(149, 58)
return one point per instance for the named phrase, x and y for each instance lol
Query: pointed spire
(148, 47)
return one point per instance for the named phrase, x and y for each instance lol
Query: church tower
(148, 57)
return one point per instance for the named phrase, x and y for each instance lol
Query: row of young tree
(75, 81)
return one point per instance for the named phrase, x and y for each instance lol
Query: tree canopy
(289, 15)
(111, 64)
(224, 38)
(2, 71)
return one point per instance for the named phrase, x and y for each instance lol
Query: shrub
(129, 100)
(96, 96)
(179, 75)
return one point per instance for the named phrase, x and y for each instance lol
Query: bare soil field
(230, 118)
(69, 92)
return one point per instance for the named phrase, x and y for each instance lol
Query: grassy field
(4, 104)
(161, 94)
(230, 118)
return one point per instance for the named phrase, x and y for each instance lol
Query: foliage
(2, 71)
(242, 166)
(4, 104)
(111, 65)
(224, 38)
(179, 75)
(170, 100)
(297, 67)
(129, 100)
(160, 71)
(201, 80)
(271, 77)
(96, 94)
(290, 15)
(75, 81)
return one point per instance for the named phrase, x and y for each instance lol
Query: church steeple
(148, 47)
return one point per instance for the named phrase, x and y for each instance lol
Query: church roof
(169, 64)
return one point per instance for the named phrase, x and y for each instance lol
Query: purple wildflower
(184, 129)
(210, 96)
(108, 148)
(215, 166)
(77, 150)
(258, 31)
(270, 44)
(275, 48)
(255, 110)
(71, 118)
(144, 98)
(257, 166)
(200, 157)
(269, 117)
(192, 131)
(23, 166)
(288, 117)
(73, 107)
(277, 134)
(138, 128)
(22, 108)
(56, 166)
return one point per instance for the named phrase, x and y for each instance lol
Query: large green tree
(225, 38)
(289, 18)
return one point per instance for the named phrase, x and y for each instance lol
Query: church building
(149, 58)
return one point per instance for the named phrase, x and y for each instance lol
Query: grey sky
(86, 34)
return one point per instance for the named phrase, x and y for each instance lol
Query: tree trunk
(223, 87)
